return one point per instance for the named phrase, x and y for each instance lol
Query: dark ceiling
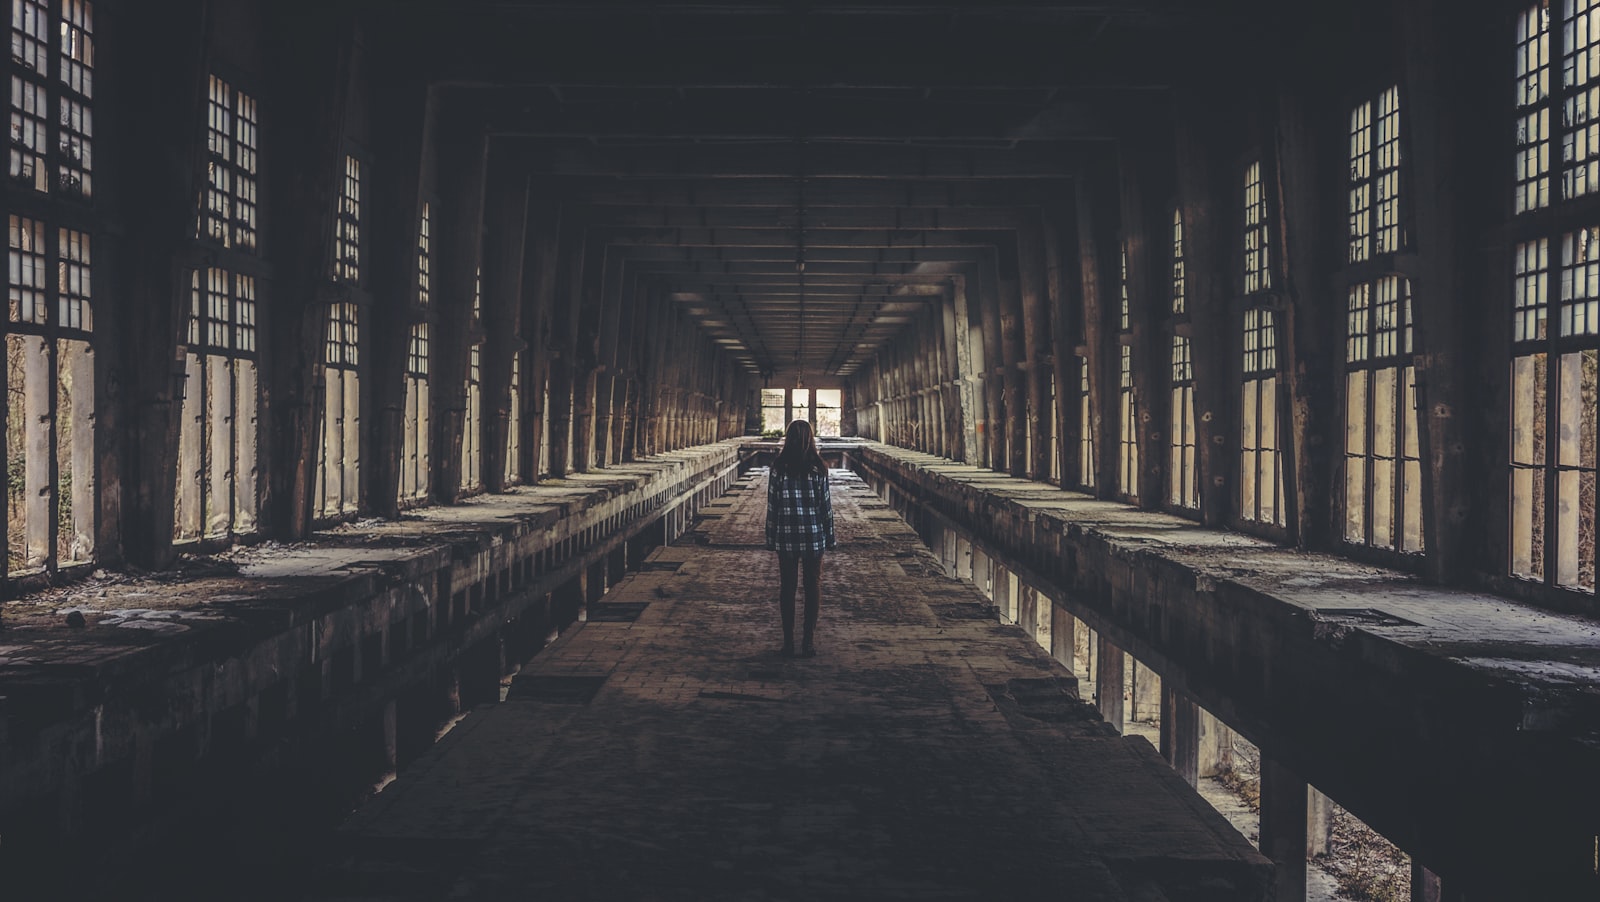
(804, 177)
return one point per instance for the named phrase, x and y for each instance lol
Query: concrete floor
(928, 752)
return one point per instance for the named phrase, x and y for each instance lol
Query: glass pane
(186, 500)
(75, 460)
(830, 397)
(772, 397)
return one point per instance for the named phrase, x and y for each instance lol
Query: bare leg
(788, 564)
(813, 571)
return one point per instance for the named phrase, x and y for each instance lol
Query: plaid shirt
(799, 513)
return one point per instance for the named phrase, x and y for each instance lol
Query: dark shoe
(788, 650)
(807, 650)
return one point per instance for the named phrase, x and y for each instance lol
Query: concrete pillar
(1215, 748)
(1284, 811)
(1319, 822)
(1062, 635)
(1083, 650)
(980, 573)
(1109, 684)
(963, 558)
(1180, 734)
(1146, 693)
(1425, 886)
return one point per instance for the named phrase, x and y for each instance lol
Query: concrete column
(564, 339)
(963, 559)
(1099, 263)
(1180, 734)
(1425, 886)
(1109, 682)
(1063, 636)
(1319, 822)
(1216, 746)
(505, 240)
(1146, 693)
(1284, 811)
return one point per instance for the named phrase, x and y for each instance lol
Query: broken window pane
(773, 410)
(30, 30)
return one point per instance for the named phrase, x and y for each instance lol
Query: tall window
(52, 116)
(773, 409)
(830, 401)
(472, 419)
(1127, 417)
(1257, 272)
(1183, 475)
(471, 452)
(415, 458)
(229, 215)
(1124, 317)
(216, 488)
(1055, 433)
(514, 424)
(1086, 462)
(1261, 456)
(338, 483)
(339, 464)
(1383, 467)
(49, 407)
(1555, 341)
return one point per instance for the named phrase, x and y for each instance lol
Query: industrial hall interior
(398, 393)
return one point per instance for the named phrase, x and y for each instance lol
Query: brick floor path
(928, 752)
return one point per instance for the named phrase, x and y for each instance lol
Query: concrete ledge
(347, 651)
(1461, 725)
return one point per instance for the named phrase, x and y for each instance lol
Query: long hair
(799, 454)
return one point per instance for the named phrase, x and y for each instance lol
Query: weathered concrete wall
(341, 656)
(1456, 724)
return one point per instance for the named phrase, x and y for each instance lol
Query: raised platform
(1461, 725)
(665, 750)
(337, 658)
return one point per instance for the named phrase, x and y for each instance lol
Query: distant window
(514, 424)
(415, 456)
(773, 409)
(217, 467)
(1128, 420)
(49, 402)
(1261, 454)
(829, 414)
(347, 225)
(1086, 463)
(1183, 474)
(339, 462)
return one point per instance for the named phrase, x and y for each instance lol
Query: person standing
(799, 528)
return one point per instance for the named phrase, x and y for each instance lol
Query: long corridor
(663, 749)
